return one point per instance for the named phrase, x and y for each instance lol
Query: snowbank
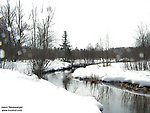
(26, 66)
(115, 72)
(57, 65)
(33, 95)
(21, 66)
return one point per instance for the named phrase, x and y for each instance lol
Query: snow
(115, 72)
(26, 66)
(57, 64)
(35, 95)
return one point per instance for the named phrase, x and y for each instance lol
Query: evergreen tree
(65, 47)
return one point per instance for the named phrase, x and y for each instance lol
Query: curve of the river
(114, 100)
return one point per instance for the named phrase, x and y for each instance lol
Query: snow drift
(115, 72)
(39, 96)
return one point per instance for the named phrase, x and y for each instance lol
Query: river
(114, 99)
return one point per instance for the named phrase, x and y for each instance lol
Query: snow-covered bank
(21, 66)
(26, 66)
(57, 65)
(35, 95)
(115, 72)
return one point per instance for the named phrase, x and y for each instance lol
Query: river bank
(115, 74)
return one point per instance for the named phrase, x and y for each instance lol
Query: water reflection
(114, 100)
(139, 103)
(66, 82)
(60, 79)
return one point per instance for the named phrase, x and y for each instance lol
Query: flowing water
(114, 100)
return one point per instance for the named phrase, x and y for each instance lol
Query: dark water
(114, 100)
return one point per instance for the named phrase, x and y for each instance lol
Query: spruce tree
(65, 47)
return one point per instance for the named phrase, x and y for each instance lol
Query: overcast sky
(86, 21)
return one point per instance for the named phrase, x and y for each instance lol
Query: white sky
(86, 21)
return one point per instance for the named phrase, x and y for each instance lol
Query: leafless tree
(12, 20)
(20, 27)
(143, 36)
(140, 53)
(7, 21)
(34, 25)
(107, 47)
(44, 37)
(102, 51)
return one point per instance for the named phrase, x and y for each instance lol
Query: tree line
(22, 40)
(32, 38)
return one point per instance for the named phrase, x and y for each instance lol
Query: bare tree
(90, 53)
(44, 37)
(34, 31)
(21, 26)
(102, 51)
(140, 53)
(8, 19)
(107, 47)
(143, 36)
(13, 21)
